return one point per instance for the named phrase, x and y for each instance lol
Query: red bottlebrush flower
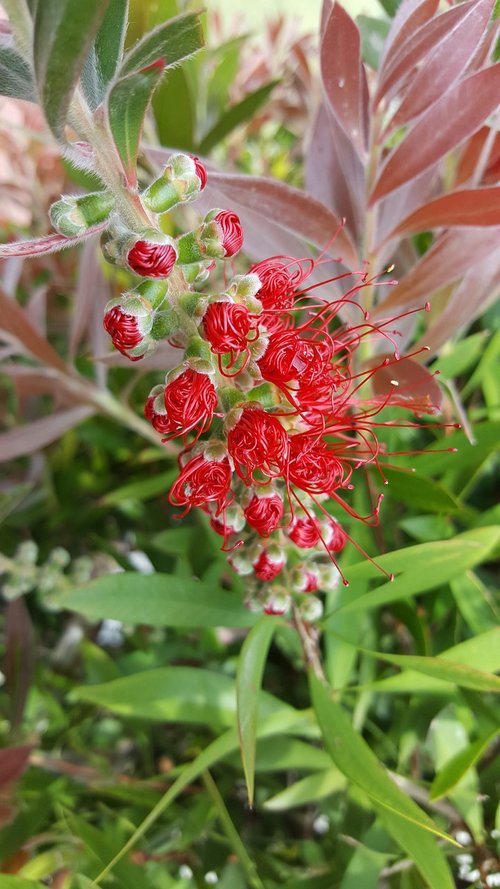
(264, 513)
(226, 326)
(312, 467)
(280, 276)
(202, 481)
(152, 260)
(265, 568)
(200, 172)
(124, 330)
(305, 532)
(335, 537)
(291, 357)
(189, 402)
(230, 230)
(258, 442)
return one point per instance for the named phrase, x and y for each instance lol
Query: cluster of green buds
(23, 574)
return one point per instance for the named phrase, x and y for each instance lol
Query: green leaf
(443, 669)
(102, 848)
(236, 115)
(423, 850)
(306, 791)
(354, 758)
(419, 568)
(8, 882)
(249, 674)
(16, 77)
(157, 600)
(64, 32)
(475, 603)
(478, 653)
(105, 55)
(461, 356)
(460, 467)
(174, 111)
(127, 104)
(352, 755)
(171, 41)
(420, 492)
(373, 34)
(174, 694)
(141, 488)
(456, 767)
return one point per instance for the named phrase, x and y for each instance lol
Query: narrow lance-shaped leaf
(466, 207)
(16, 322)
(453, 118)
(157, 600)
(172, 41)
(127, 104)
(47, 244)
(36, 435)
(409, 17)
(458, 766)
(445, 262)
(106, 52)
(344, 76)
(434, 77)
(422, 43)
(236, 115)
(405, 821)
(64, 31)
(251, 665)
(16, 77)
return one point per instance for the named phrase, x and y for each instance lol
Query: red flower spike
(231, 232)
(151, 260)
(258, 442)
(264, 513)
(265, 568)
(226, 326)
(200, 172)
(305, 532)
(203, 481)
(189, 402)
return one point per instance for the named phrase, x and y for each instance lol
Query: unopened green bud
(72, 216)
(181, 181)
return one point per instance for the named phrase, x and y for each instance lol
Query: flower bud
(181, 181)
(129, 321)
(220, 235)
(151, 254)
(311, 609)
(73, 216)
(264, 512)
(269, 564)
(185, 404)
(277, 603)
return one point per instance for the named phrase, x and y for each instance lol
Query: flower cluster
(269, 397)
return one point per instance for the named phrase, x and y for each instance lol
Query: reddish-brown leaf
(399, 204)
(409, 385)
(478, 289)
(454, 117)
(471, 159)
(472, 206)
(13, 761)
(344, 76)
(411, 15)
(18, 662)
(15, 321)
(38, 434)
(446, 261)
(434, 77)
(414, 51)
(334, 173)
(47, 244)
(92, 292)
